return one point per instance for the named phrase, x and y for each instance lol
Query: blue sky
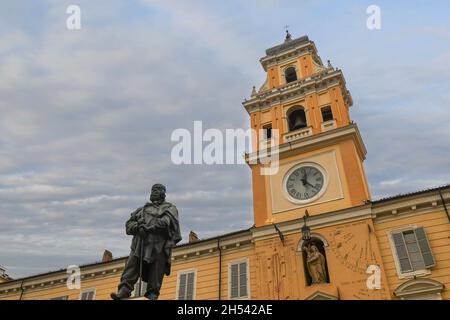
(86, 116)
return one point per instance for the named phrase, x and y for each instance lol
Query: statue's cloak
(171, 237)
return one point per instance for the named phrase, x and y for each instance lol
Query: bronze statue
(155, 230)
(315, 262)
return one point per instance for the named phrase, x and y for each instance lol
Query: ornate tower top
(301, 113)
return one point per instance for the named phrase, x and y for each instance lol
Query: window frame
(290, 111)
(87, 291)
(186, 272)
(293, 66)
(409, 274)
(265, 127)
(331, 111)
(234, 262)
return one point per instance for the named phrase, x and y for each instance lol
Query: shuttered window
(186, 285)
(88, 294)
(413, 250)
(238, 280)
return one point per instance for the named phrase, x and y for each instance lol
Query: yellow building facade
(393, 248)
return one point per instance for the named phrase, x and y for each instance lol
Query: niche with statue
(315, 262)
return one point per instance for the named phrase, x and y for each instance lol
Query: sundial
(352, 246)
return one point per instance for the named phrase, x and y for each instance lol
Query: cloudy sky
(86, 116)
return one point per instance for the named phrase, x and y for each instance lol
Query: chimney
(193, 237)
(107, 256)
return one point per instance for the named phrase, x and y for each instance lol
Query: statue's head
(158, 193)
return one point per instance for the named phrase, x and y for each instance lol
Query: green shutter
(87, 295)
(424, 246)
(234, 290)
(182, 287)
(402, 253)
(190, 286)
(238, 280)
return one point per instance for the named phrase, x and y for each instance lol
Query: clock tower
(303, 109)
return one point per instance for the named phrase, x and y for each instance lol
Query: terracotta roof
(410, 194)
(125, 257)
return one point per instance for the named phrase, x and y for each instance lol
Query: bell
(298, 123)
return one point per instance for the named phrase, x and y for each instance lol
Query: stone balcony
(297, 134)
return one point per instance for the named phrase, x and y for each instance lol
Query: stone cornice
(314, 141)
(315, 221)
(209, 247)
(407, 206)
(59, 278)
(302, 47)
(410, 204)
(296, 90)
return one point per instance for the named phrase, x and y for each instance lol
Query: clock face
(304, 183)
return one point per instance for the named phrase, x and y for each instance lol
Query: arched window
(297, 119)
(290, 74)
(315, 262)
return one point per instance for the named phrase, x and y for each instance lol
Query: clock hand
(309, 184)
(304, 181)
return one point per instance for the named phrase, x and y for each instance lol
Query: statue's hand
(142, 232)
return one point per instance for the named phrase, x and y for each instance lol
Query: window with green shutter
(413, 250)
(88, 294)
(186, 285)
(238, 280)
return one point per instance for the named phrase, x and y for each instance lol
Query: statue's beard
(157, 198)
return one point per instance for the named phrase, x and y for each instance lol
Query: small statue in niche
(315, 262)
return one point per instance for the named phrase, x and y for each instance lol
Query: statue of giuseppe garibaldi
(155, 230)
